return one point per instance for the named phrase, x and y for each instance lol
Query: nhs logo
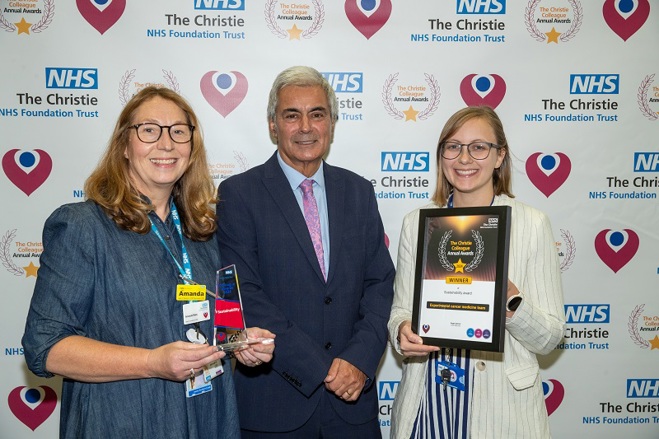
(67, 77)
(646, 162)
(602, 84)
(220, 5)
(405, 161)
(345, 82)
(587, 313)
(481, 7)
(643, 388)
(387, 390)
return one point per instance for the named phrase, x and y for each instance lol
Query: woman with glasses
(109, 312)
(501, 395)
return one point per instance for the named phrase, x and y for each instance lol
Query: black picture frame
(461, 277)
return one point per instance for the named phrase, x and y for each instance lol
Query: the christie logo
(594, 84)
(345, 82)
(646, 162)
(405, 161)
(587, 313)
(63, 77)
(219, 5)
(481, 7)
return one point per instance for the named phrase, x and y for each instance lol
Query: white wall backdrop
(575, 83)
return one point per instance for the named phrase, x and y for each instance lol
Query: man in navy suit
(328, 309)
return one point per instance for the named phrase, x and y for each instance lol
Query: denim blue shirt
(109, 284)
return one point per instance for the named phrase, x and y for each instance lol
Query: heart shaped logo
(616, 248)
(205, 315)
(554, 393)
(224, 91)
(625, 17)
(32, 405)
(483, 90)
(425, 328)
(101, 14)
(548, 172)
(28, 170)
(368, 16)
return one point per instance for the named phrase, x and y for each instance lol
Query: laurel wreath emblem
(46, 19)
(390, 107)
(529, 13)
(632, 327)
(570, 250)
(124, 84)
(5, 255)
(478, 256)
(316, 23)
(642, 98)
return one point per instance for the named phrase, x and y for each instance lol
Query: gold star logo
(23, 26)
(31, 270)
(654, 342)
(294, 33)
(552, 36)
(410, 114)
(459, 266)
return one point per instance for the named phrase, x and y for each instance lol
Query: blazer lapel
(280, 191)
(335, 190)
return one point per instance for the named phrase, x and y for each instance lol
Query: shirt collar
(294, 177)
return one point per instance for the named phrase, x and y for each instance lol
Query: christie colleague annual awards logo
(101, 14)
(128, 82)
(368, 16)
(12, 18)
(21, 250)
(648, 98)
(28, 170)
(625, 17)
(483, 89)
(553, 23)
(224, 91)
(302, 19)
(548, 172)
(616, 247)
(643, 328)
(32, 405)
(401, 98)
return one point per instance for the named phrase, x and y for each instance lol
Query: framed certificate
(461, 277)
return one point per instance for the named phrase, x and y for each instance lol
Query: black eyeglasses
(151, 132)
(477, 150)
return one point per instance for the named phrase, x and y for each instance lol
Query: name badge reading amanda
(190, 293)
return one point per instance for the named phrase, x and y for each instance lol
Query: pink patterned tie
(313, 221)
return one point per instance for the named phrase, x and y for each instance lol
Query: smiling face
(302, 127)
(471, 179)
(154, 168)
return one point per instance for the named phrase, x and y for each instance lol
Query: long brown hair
(194, 193)
(502, 177)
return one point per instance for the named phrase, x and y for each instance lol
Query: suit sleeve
(298, 359)
(538, 324)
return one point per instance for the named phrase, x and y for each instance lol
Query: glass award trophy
(229, 332)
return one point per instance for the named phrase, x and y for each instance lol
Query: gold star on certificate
(23, 26)
(654, 342)
(459, 266)
(31, 270)
(552, 36)
(294, 33)
(410, 114)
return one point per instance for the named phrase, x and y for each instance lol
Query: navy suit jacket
(262, 231)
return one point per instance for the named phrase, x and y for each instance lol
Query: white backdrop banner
(575, 83)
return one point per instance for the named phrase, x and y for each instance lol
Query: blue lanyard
(186, 270)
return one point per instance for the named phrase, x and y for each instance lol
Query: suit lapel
(280, 191)
(335, 190)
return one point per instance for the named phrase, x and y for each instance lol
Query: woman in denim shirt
(104, 313)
